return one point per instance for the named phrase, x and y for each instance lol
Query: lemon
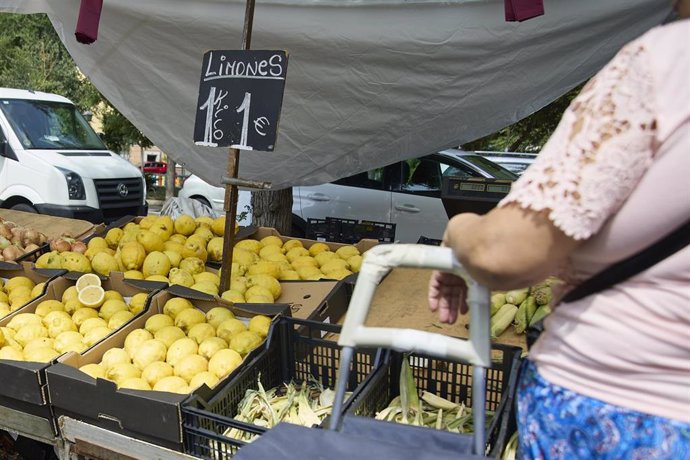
(18, 294)
(323, 257)
(205, 286)
(132, 254)
(163, 227)
(169, 334)
(156, 263)
(97, 242)
(51, 259)
(271, 240)
(135, 338)
(239, 284)
(134, 383)
(17, 281)
(266, 281)
(134, 274)
(224, 362)
(338, 274)
(289, 275)
(73, 305)
(334, 264)
(174, 256)
(22, 319)
(291, 244)
(147, 222)
(261, 291)
(30, 332)
(179, 349)
(189, 317)
(41, 355)
(111, 294)
(156, 371)
(158, 278)
(189, 366)
(66, 341)
(88, 279)
(110, 307)
(294, 253)
(185, 225)
(175, 305)
(96, 335)
(113, 237)
(265, 267)
(203, 378)
(309, 272)
(150, 241)
(45, 307)
(72, 293)
(40, 342)
(138, 302)
(93, 370)
(91, 323)
(210, 346)
(157, 322)
(92, 296)
(149, 352)
(119, 319)
(177, 238)
(192, 265)
(172, 384)
(355, 263)
(316, 248)
(11, 354)
(230, 327)
(204, 220)
(249, 245)
(122, 371)
(268, 250)
(181, 277)
(173, 245)
(259, 324)
(75, 262)
(194, 248)
(200, 332)
(345, 252)
(217, 315)
(114, 356)
(82, 314)
(37, 290)
(245, 341)
(233, 296)
(103, 263)
(218, 226)
(204, 232)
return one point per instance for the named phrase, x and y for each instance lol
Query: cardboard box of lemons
(316, 248)
(203, 378)
(218, 226)
(223, 362)
(216, 315)
(168, 335)
(156, 263)
(194, 248)
(175, 305)
(179, 349)
(156, 371)
(185, 225)
(151, 241)
(215, 249)
(49, 260)
(75, 262)
(267, 281)
(181, 277)
(193, 265)
(132, 255)
(151, 351)
(189, 366)
(172, 384)
(104, 263)
(113, 237)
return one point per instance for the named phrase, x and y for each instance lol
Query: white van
(52, 162)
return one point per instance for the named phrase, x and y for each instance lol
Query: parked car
(156, 167)
(407, 193)
(512, 161)
(214, 197)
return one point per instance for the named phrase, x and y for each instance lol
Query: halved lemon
(88, 279)
(92, 296)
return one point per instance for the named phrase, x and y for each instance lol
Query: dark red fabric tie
(87, 23)
(522, 10)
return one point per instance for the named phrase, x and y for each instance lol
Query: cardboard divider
(24, 382)
(153, 416)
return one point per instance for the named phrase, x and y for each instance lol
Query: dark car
(155, 167)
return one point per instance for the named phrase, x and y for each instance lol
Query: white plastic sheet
(368, 82)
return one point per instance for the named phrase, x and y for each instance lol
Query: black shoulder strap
(621, 271)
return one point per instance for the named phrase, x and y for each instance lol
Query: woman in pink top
(610, 375)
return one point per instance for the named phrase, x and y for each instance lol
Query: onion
(79, 247)
(30, 236)
(42, 238)
(5, 231)
(11, 253)
(10, 224)
(60, 245)
(30, 247)
(4, 242)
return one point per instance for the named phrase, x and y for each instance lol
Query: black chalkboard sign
(240, 97)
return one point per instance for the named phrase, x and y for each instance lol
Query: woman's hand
(447, 295)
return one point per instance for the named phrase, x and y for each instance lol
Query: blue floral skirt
(556, 423)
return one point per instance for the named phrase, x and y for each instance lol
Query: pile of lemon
(17, 292)
(181, 349)
(83, 316)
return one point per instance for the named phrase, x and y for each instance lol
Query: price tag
(240, 98)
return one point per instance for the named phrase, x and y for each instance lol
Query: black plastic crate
(382, 231)
(342, 230)
(295, 351)
(450, 380)
(429, 241)
(317, 229)
(349, 231)
(32, 256)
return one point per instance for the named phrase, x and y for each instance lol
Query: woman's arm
(510, 247)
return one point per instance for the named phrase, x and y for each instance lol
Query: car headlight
(75, 186)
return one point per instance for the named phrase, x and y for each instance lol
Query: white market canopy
(368, 82)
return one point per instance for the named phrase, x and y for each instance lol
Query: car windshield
(496, 171)
(50, 125)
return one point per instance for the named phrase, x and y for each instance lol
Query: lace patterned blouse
(616, 173)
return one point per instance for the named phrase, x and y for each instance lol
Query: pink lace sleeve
(600, 150)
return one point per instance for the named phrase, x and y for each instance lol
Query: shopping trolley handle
(382, 259)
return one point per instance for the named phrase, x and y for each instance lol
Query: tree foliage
(529, 134)
(34, 58)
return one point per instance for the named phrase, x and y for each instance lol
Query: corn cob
(521, 318)
(531, 307)
(502, 319)
(517, 296)
(543, 296)
(497, 301)
(541, 312)
(510, 451)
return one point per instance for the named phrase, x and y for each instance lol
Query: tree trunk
(170, 179)
(273, 209)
